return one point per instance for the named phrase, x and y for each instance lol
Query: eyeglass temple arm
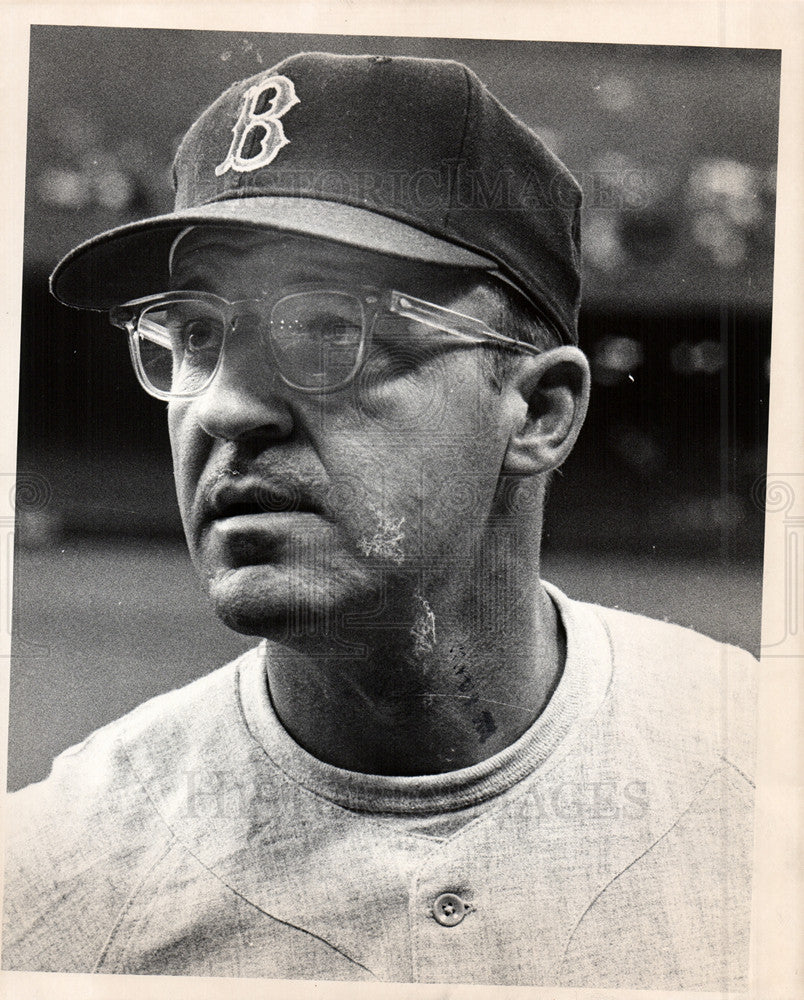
(449, 321)
(145, 328)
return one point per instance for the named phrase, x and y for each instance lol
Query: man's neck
(446, 692)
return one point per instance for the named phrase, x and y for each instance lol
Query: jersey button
(449, 909)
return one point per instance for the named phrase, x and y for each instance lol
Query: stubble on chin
(386, 543)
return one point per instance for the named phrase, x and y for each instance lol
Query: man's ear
(552, 395)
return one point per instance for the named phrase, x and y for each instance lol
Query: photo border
(777, 909)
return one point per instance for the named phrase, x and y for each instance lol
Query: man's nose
(246, 398)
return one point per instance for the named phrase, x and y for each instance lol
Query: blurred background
(656, 511)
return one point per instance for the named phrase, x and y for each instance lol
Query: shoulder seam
(129, 901)
(598, 895)
(175, 839)
(731, 766)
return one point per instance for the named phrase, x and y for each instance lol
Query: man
(434, 767)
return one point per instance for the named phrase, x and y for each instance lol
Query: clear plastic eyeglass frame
(129, 317)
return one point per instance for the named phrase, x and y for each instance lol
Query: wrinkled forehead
(249, 261)
(232, 240)
(239, 255)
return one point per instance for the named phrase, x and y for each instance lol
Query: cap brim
(132, 260)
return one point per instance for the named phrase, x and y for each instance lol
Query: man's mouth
(258, 497)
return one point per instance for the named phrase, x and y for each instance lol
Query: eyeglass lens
(315, 338)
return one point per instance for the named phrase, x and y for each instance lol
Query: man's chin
(297, 608)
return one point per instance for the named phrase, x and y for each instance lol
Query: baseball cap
(407, 156)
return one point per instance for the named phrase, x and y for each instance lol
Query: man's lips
(236, 498)
(249, 520)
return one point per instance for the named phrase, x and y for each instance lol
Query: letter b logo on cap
(264, 127)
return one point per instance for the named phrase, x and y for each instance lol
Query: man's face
(370, 501)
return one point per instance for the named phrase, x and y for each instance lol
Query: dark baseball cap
(412, 157)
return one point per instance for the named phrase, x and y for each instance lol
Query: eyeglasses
(318, 337)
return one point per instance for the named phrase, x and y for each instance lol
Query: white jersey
(610, 846)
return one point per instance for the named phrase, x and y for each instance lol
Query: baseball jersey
(609, 846)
